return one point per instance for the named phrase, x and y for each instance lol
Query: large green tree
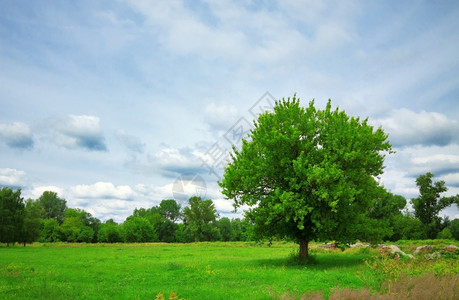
(226, 231)
(138, 230)
(162, 218)
(110, 232)
(386, 210)
(454, 228)
(307, 174)
(408, 227)
(11, 215)
(430, 203)
(32, 221)
(79, 226)
(53, 206)
(200, 219)
(170, 210)
(50, 231)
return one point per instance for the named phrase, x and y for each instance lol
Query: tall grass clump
(427, 286)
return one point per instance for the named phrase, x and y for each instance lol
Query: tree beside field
(53, 206)
(11, 215)
(138, 230)
(200, 219)
(430, 203)
(110, 232)
(32, 221)
(307, 174)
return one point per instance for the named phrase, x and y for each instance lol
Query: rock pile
(393, 250)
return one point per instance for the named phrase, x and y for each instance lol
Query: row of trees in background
(48, 219)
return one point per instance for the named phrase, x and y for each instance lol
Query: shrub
(445, 234)
(138, 230)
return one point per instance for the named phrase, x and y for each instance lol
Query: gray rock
(394, 249)
(423, 249)
(450, 248)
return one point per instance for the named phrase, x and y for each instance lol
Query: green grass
(193, 271)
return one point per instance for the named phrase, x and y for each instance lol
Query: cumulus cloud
(398, 182)
(438, 164)
(224, 205)
(131, 142)
(103, 190)
(37, 191)
(78, 132)
(187, 186)
(170, 162)
(408, 128)
(16, 135)
(451, 180)
(12, 178)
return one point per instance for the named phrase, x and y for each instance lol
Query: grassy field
(193, 271)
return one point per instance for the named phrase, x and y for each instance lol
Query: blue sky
(108, 103)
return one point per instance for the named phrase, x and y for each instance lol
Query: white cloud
(224, 205)
(169, 162)
(12, 178)
(451, 180)
(36, 192)
(74, 132)
(104, 190)
(187, 186)
(440, 158)
(397, 182)
(437, 164)
(408, 128)
(16, 135)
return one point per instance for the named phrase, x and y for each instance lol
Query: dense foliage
(430, 203)
(308, 174)
(48, 219)
(11, 215)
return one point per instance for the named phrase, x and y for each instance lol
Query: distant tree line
(48, 219)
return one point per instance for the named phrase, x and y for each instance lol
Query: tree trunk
(304, 251)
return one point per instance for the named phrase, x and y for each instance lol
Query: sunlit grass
(193, 271)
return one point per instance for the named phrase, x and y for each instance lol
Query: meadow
(214, 270)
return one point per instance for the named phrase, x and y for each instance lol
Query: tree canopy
(430, 203)
(11, 215)
(53, 206)
(307, 174)
(200, 218)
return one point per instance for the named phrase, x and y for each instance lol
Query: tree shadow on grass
(315, 261)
